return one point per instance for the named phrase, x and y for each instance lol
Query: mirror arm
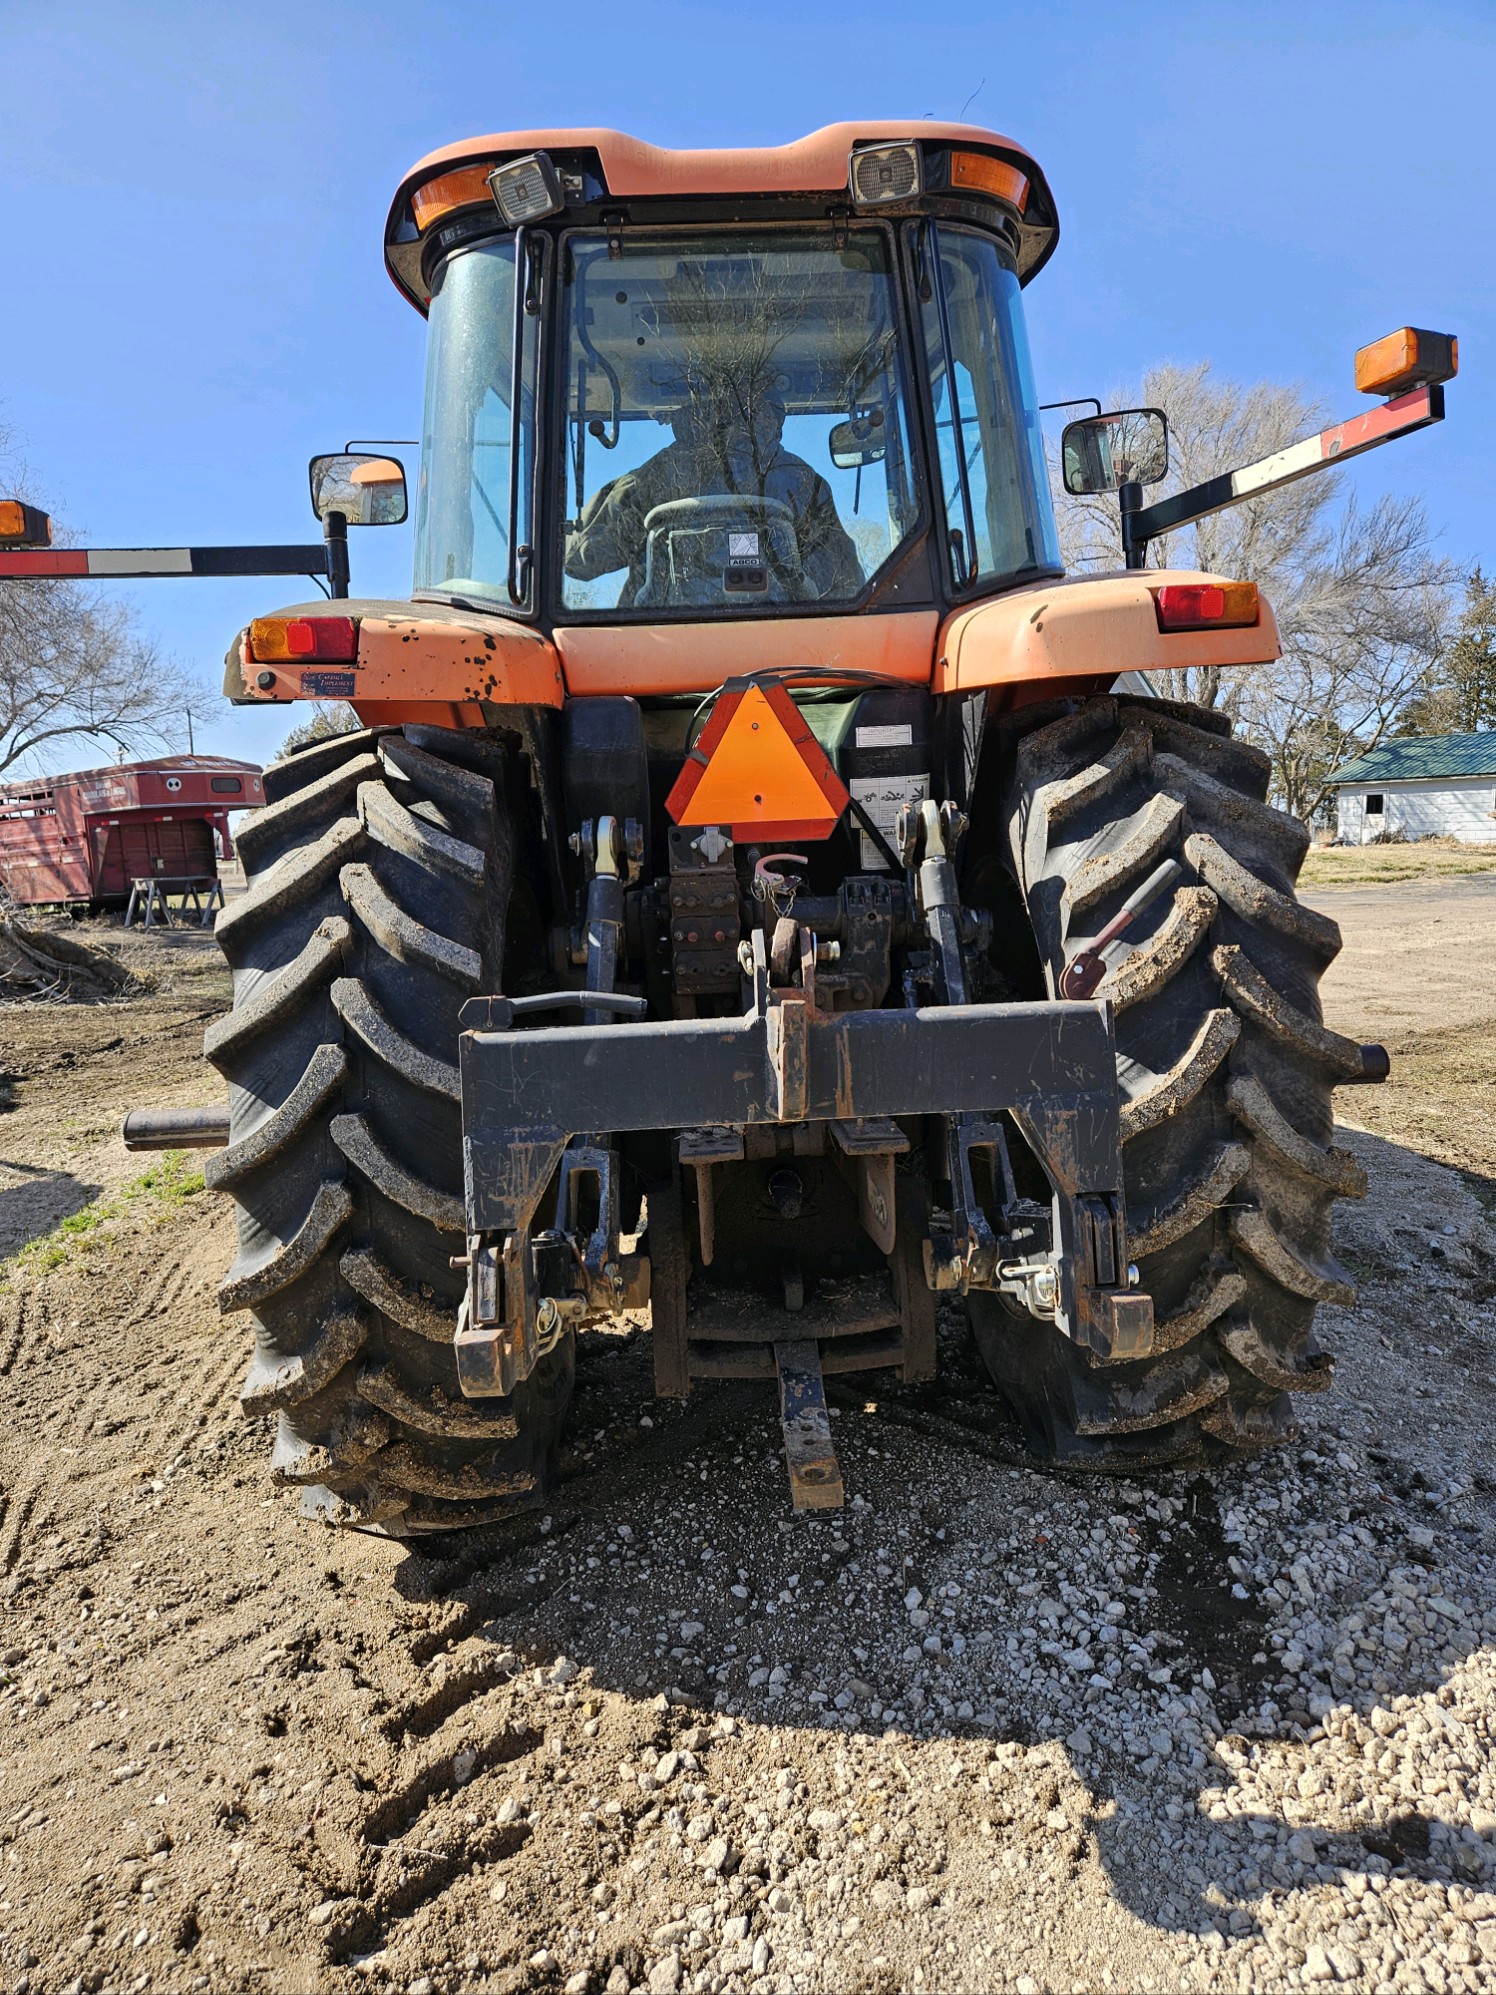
(335, 533)
(1134, 544)
(1322, 452)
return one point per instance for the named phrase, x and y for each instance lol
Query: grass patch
(1370, 865)
(167, 1185)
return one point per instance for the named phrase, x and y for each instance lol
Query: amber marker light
(462, 189)
(285, 640)
(23, 526)
(981, 175)
(1407, 358)
(1206, 605)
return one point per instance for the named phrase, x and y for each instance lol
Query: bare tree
(326, 719)
(1362, 601)
(74, 667)
(1360, 638)
(1460, 698)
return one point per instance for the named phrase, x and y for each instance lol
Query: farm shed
(84, 836)
(1429, 786)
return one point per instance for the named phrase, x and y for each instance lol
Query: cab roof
(634, 170)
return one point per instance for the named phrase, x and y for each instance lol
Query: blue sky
(194, 298)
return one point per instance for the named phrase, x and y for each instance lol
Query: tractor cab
(742, 401)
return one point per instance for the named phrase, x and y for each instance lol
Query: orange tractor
(764, 887)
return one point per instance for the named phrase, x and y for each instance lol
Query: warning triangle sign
(758, 769)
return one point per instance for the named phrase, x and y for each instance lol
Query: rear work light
(283, 640)
(526, 190)
(1407, 359)
(975, 171)
(880, 173)
(23, 526)
(1206, 605)
(462, 189)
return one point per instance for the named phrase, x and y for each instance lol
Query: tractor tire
(379, 877)
(1225, 1072)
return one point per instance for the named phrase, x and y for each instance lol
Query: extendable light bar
(1388, 366)
(1285, 467)
(121, 563)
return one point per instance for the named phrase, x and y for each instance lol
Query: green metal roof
(1422, 757)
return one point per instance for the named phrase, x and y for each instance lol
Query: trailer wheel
(379, 877)
(1225, 1073)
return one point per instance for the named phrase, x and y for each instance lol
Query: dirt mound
(40, 963)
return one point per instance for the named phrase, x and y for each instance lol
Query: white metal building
(1437, 785)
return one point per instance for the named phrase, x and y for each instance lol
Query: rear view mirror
(1103, 453)
(367, 491)
(859, 440)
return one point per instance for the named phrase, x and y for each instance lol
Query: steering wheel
(711, 513)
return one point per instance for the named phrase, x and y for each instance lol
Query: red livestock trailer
(87, 836)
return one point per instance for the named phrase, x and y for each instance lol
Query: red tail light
(277, 640)
(1206, 605)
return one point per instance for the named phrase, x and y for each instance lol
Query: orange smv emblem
(758, 769)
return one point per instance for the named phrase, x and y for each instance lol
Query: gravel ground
(983, 1729)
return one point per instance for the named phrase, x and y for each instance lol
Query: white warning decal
(882, 797)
